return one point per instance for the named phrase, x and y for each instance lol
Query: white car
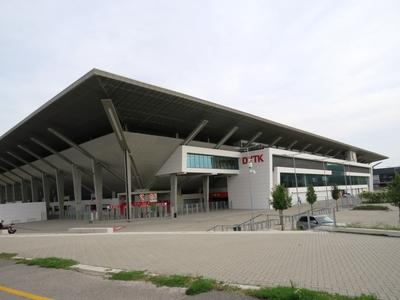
(316, 221)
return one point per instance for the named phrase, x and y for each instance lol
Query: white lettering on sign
(254, 158)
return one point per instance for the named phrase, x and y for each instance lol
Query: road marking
(22, 293)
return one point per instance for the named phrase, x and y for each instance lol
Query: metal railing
(271, 220)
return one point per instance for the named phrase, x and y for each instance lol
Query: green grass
(5, 255)
(371, 207)
(49, 262)
(291, 293)
(171, 280)
(129, 275)
(201, 285)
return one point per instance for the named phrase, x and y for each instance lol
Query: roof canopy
(78, 113)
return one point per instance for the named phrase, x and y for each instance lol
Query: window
(304, 180)
(204, 161)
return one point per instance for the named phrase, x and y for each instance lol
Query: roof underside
(78, 113)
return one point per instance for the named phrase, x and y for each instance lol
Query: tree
(336, 195)
(393, 193)
(311, 197)
(281, 200)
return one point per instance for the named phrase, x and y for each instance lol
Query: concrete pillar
(34, 190)
(128, 185)
(371, 180)
(46, 190)
(24, 191)
(174, 195)
(77, 182)
(2, 198)
(98, 185)
(14, 198)
(60, 192)
(7, 193)
(206, 192)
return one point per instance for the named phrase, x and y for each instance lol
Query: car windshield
(323, 219)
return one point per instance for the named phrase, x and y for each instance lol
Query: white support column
(33, 191)
(77, 182)
(7, 194)
(128, 185)
(60, 192)
(14, 198)
(174, 195)
(1, 194)
(24, 191)
(46, 190)
(206, 192)
(98, 185)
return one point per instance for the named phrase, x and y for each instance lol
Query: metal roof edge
(213, 104)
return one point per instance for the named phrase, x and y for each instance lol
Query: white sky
(328, 67)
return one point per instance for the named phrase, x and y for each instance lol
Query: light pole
(251, 171)
(326, 182)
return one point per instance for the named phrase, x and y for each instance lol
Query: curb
(93, 270)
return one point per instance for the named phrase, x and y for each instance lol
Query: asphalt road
(64, 284)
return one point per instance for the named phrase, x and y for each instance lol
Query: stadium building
(105, 137)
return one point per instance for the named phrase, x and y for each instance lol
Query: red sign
(219, 195)
(257, 158)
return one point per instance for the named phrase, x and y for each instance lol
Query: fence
(147, 212)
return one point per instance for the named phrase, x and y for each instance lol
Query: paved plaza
(204, 221)
(344, 263)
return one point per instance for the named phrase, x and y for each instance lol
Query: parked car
(315, 221)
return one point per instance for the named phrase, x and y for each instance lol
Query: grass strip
(129, 275)
(49, 262)
(292, 293)
(5, 255)
(171, 280)
(377, 226)
(201, 285)
(371, 207)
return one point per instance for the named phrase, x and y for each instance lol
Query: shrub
(374, 197)
(371, 207)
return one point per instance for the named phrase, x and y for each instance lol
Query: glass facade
(204, 161)
(304, 180)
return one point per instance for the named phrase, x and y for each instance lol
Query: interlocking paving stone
(343, 263)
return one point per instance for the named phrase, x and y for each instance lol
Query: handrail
(269, 221)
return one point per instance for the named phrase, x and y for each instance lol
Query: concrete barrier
(92, 230)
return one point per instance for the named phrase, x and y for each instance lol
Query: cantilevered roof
(78, 113)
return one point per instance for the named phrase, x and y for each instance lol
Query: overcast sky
(328, 67)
